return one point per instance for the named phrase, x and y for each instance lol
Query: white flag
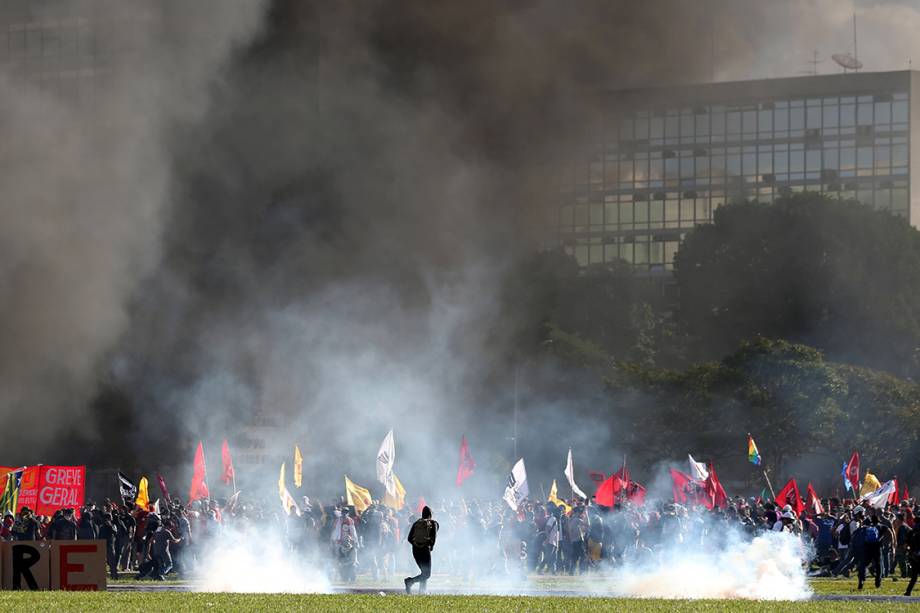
(386, 456)
(879, 498)
(517, 490)
(570, 475)
(698, 469)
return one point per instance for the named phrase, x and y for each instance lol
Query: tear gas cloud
(242, 564)
(769, 567)
(304, 215)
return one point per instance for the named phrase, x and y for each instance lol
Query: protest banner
(45, 489)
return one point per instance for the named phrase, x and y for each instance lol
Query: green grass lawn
(848, 587)
(148, 602)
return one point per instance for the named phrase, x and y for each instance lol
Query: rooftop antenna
(845, 60)
(855, 44)
(816, 59)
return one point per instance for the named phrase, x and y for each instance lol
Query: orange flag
(199, 487)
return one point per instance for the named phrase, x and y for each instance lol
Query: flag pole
(769, 485)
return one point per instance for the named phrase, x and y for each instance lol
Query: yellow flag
(357, 496)
(298, 467)
(869, 485)
(143, 500)
(287, 501)
(554, 498)
(399, 501)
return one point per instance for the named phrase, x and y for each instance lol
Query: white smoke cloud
(242, 562)
(769, 567)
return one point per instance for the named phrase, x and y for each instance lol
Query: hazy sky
(783, 38)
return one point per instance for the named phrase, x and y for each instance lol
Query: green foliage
(620, 313)
(792, 399)
(833, 274)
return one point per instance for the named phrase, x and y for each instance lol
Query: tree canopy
(832, 274)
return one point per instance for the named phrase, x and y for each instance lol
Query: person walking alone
(422, 536)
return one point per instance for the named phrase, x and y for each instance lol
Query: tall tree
(832, 274)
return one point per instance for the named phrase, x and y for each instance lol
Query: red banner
(4, 470)
(45, 489)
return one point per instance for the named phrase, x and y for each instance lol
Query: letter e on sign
(78, 566)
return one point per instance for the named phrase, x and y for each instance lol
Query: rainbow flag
(753, 454)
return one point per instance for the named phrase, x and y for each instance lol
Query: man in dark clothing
(867, 549)
(108, 532)
(63, 528)
(26, 527)
(159, 560)
(86, 529)
(913, 553)
(422, 536)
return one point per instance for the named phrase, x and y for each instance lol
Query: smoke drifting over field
(307, 211)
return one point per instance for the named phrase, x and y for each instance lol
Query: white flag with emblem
(386, 456)
(879, 498)
(517, 489)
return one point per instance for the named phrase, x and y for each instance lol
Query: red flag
(790, 495)
(162, 483)
(679, 485)
(607, 491)
(905, 495)
(894, 497)
(714, 490)
(467, 464)
(596, 476)
(227, 476)
(814, 503)
(199, 487)
(635, 493)
(687, 490)
(853, 471)
(421, 505)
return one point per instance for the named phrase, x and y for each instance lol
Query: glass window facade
(658, 172)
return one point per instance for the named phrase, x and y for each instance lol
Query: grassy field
(841, 586)
(847, 587)
(141, 601)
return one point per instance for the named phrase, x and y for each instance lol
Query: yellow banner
(298, 467)
(357, 496)
(400, 500)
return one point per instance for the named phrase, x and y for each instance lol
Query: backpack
(872, 534)
(423, 533)
(845, 534)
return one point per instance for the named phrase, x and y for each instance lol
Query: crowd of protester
(485, 538)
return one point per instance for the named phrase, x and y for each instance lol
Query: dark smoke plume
(305, 213)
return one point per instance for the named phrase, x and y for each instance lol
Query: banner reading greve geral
(45, 489)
